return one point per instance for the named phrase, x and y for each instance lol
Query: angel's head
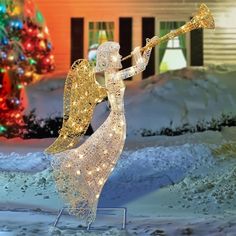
(108, 57)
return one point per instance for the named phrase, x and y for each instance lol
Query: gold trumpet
(203, 19)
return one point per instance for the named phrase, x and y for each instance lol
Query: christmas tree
(25, 52)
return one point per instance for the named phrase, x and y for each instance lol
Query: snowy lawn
(177, 100)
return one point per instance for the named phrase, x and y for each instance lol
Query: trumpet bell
(204, 18)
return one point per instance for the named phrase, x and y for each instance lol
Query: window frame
(158, 26)
(87, 20)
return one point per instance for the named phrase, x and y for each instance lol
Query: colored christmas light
(39, 17)
(32, 61)
(22, 57)
(42, 45)
(16, 24)
(3, 55)
(46, 60)
(46, 30)
(29, 46)
(49, 45)
(20, 71)
(2, 129)
(40, 35)
(5, 41)
(2, 9)
(30, 30)
(28, 74)
(11, 57)
(16, 11)
(20, 86)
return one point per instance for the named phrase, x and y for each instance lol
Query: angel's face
(115, 60)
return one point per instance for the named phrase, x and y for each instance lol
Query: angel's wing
(81, 94)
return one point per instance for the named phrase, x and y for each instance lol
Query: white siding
(219, 44)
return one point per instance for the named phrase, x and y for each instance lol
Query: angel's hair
(103, 55)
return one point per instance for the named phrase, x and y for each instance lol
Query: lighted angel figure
(80, 173)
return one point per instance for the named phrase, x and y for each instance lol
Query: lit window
(172, 54)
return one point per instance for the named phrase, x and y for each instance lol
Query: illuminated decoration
(2, 9)
(81, 94)
(81, 173)
(3, 55)
(32, 61)
(29, 46)
(46, 30)
(2, 129)
(5, 41)
(16, 24)
(42, 45)
(39, 17)
(11, 56)
(16, 11)
(23, 53)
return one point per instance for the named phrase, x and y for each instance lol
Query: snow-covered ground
(170, 185)
(176, 99)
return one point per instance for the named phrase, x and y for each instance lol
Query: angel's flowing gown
(81, 173)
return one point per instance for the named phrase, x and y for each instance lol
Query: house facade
(76, 26)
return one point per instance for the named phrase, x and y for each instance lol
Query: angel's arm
(140, 61)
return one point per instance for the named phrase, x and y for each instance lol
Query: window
(172, 54)
(99, 32)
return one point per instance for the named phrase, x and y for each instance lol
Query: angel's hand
(147, 41)
(137, 56)
(152, 41)
(147, 51)
(136, 51)
(135, 69)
